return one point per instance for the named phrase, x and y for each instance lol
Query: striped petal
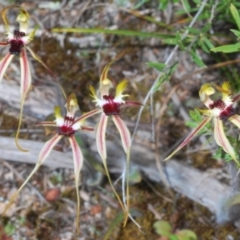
(101, 147)
(47, 124)
(4, 64)
(189, 137)
(42, 156)
(235, 119)
(124, 133)
(84, 116)
(100, 136)
(126, 143)
(78, 162)
(222, 141)
(26, 80)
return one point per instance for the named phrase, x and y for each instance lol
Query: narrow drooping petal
(4, 64)
(100, 136)
(101, 147)
(221, 139)
(36, 57)
(4, 43)
(87, 115)
(132, 103)
(47, 124)
(26, 80)
(235, 119)
(42, 156)
(124, 132)
(188, 139)
(47, 148)
(78, 162)
(126, 143)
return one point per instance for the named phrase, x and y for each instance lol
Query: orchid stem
(20, 189)
(19, 125)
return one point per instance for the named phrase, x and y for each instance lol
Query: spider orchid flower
(110, 107)
(67, 126)
(18, 41)
(219, 111)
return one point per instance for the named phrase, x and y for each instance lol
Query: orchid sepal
(222, 141)
(235, 119)
(4, 64)
(49, 145)
(126, 143)
(78, 163)
(190, 136)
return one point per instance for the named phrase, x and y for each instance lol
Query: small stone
(52, 194)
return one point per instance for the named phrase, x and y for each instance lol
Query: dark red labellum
(67, 129)
(16, 44)
(111, 107)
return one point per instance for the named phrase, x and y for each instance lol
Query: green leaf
(170, 41)
(208, 43)
(10, 229)
(227, 48)
(235, 14)
(157, 65)
(173, 237)
(163, 228)
(135, 175)
(164, 77)
(186, 6)
(236, 32)
(197, 59)
(163, 4)
(129, 33)
(186, 235)
(179, 41)
(117, 221)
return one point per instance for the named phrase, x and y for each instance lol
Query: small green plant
(231, 47)
(164, 229)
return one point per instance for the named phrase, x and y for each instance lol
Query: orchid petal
(189, 137)
(84, 116)
(42, 156)
(4, 43)
(205, 91)
(124, 133)
(101, 147)
(222, 141)
(85, 128)
(120, 88)
(23, 19)
(26, 80)
(133, 103)
(207, 112)
(36, 57)
(225, 89)
(78, 162)
(47, 124)
(4, 64)
(105, 83)
(4, 17)
(100, 136)
(126, 142)
(235, 119)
